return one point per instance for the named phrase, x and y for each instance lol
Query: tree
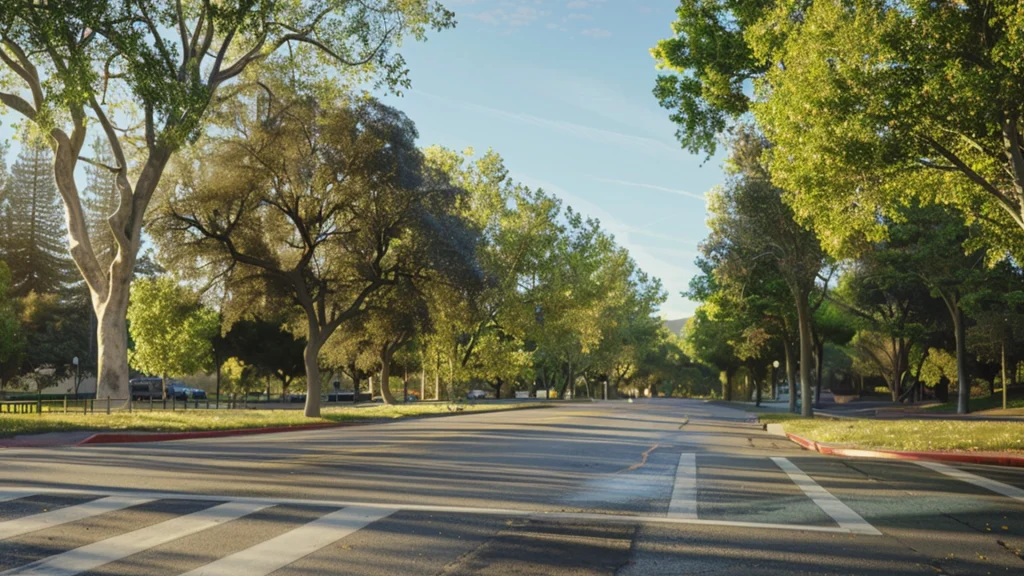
(319, 206)
(148, 75)
(172, 331)
(711, 64)
(752, 226)
(35, 246)
(55, 330)
(268, 348)
(896, 100)
(483, 331)
(398, 315)
(11, 343)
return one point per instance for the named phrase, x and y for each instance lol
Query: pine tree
(36, 251)
(101, 199)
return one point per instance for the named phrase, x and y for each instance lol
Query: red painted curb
(960, 457)
(138, 437)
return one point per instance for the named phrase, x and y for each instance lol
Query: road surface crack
(1015, 551)
(642, 462)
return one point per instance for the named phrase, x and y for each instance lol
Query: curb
(959, 457)
(140, 437)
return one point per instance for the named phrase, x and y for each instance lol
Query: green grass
(994, 402)
(909, 435)
(198, 420)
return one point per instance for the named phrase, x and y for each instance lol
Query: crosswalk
(46, 514)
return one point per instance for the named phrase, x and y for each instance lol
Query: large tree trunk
(726, 378)
(385, 375)
(112, 347)
(964, 394)
(790, 375)
(313, 388)
(803, 314)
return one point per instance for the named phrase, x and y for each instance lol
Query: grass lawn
(195, 420)
(994, 402)
(910, 435)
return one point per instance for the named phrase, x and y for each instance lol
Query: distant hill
(676, 326)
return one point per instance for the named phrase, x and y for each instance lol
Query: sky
(562, 90)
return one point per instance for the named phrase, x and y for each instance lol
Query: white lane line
(684, 491)
(36, 522)
(829, 504)
(278, 552)
(97, 554)
(964, 476)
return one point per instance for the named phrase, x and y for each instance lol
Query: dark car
(146, 388)
(198, 394)
(178, 391)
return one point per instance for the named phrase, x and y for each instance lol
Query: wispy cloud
(598, 135)
(596, 33)
(652, 187)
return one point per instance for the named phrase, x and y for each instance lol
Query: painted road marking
(440, 509)
(841, 513)
(106, 551)
(684, 491)
(964, 476)
(278, 552)
(36, 522)
(6, 496)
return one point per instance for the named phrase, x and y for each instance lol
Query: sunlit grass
(908, 435)
(198, 420)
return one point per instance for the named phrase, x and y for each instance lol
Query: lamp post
(77, 380)
(775, 380)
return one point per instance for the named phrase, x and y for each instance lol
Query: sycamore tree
(316, 206)
(172, 331)
(144, 75)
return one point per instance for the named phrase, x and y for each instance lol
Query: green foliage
(711, 63)
(882, 102)
(11, 340)
(56, 330)
(171, 329)
(35, 248)
(265, 346)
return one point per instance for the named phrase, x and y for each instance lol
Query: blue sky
(562, 90)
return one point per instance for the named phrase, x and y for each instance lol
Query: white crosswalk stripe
(841, 513)
(276, 553)
(36, 522)
(106, 551)
(988, 484)
(684, 491)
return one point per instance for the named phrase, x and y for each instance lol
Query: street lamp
(78, 381)
(775, 380)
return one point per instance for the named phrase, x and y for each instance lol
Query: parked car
(151, 388)
(178, 391)
(146, 388)
(198, 393)
(476, 395)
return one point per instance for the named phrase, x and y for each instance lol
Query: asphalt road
(661, 487)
